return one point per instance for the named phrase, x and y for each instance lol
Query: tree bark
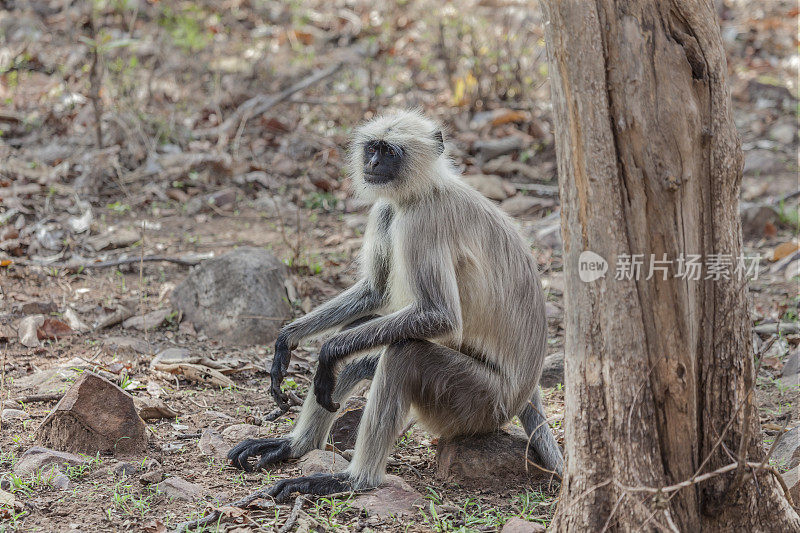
(649, 163)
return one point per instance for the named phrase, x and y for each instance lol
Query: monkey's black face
(382, 162)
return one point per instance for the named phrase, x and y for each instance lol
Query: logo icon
(591, 266)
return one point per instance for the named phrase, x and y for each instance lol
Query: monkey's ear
(439, 140)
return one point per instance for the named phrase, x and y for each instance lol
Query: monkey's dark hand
(324, 379)
(280, 363)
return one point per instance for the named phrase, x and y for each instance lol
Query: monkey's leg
(313, 424)
(451, 391)
(542, 440)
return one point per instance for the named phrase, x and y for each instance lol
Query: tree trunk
(656, 369)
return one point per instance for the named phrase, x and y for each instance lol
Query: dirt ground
(171, 72)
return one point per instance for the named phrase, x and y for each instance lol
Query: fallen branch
(262, 103)
(32, 398)
(298, 504)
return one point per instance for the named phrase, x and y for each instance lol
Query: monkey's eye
(391, 152)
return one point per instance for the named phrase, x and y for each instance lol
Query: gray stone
(212, 444)
(126, 469)
(787, 452)
(760, 161)
(518, 525)
(322, 461)
(127, 347)
(491, 187)
(394, 497)
(94, 416)
(492, 148)
(179, 489)
(783, 132)
(47, 381)
(552, 370)
(792, 365)
(26, 329)
(239, 432)
(38, 457)
(792, 480)
(14, 414)
(496, 460)
(147, 321)
(520, 205)
(239, 298)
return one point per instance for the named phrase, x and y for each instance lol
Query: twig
(298, 504)
(32, 398)
(188, 436)
(262, 103)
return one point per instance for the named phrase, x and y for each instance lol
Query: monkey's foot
(270, 450)
(317, 484)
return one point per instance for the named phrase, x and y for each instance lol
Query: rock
(495, 460)
(152, 477)
(38, 457)
(783, 132)
(792, 480)
(792, 365)
(787, 452)
(492, 148)
(27, 330)
(58, 480)
(491, 187)
(209, 202)
(179, 489)
(126, 469)
(792, 270)
(345, 427)
(153, 409)
(127, 347)
(761, 161)
(524, 205)
(212, 444)
(47, 381)
(756, 219)
(518, 525)
(322, 461)
(548, 236)
(73, 321)
(238, 298)
(394, 497)
(552, 370)
(239, 432)
(14, 414)
(275, 206)
(149, 321)
(94, 416)
(172, 356)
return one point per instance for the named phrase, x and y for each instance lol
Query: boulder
(494, 460)
(787, 452)
(394, 497)
(94, 416)
(322, 461)
(552, 370)
(238, 298)
(39, 457)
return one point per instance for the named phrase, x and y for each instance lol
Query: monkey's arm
(435, 313)
(359, 300)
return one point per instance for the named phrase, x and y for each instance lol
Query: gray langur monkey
(460, 333)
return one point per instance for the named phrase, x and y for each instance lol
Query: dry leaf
(785, 249)
(509, 116)
(154, 526)
(53, 329)
(197, 373)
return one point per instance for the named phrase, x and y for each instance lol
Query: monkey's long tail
(543, 443)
